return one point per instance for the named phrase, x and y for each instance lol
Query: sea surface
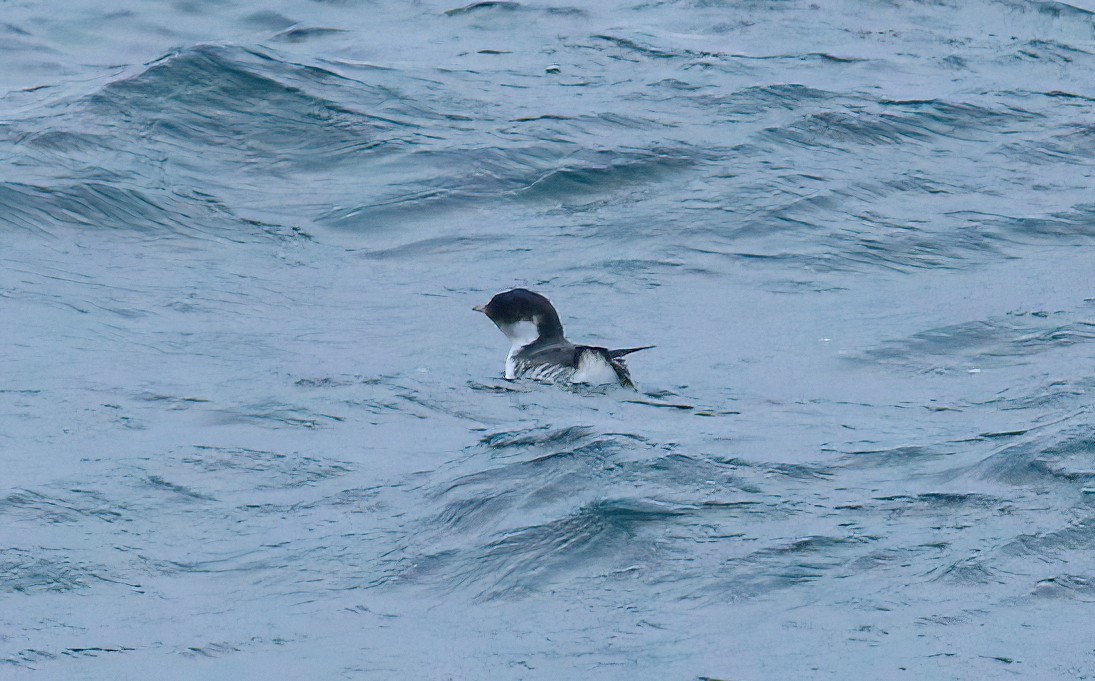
(250, 427)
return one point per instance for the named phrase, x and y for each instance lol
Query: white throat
(520, 334)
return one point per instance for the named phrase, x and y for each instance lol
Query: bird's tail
(616, 354)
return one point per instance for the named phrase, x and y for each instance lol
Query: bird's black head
(510, 308)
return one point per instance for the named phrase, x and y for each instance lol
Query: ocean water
(250, 427)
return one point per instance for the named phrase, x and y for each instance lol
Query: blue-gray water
(250, 427)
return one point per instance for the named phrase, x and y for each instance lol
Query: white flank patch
(594, 369)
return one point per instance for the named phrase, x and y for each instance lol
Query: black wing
(613, 354)
(563, 354)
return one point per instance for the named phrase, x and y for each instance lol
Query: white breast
(519, 335)
(511, 362)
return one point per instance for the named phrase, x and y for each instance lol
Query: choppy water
(250, 427)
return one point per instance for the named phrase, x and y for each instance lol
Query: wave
(242, 105)
(438, 181)
(990, 340)
(895, 122)
(35, 571)
(600, 536)
(497, 7)
(103, 205)
(1063, 456)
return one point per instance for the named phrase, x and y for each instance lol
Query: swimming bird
(541, 352)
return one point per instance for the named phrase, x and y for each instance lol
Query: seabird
(540, 351)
